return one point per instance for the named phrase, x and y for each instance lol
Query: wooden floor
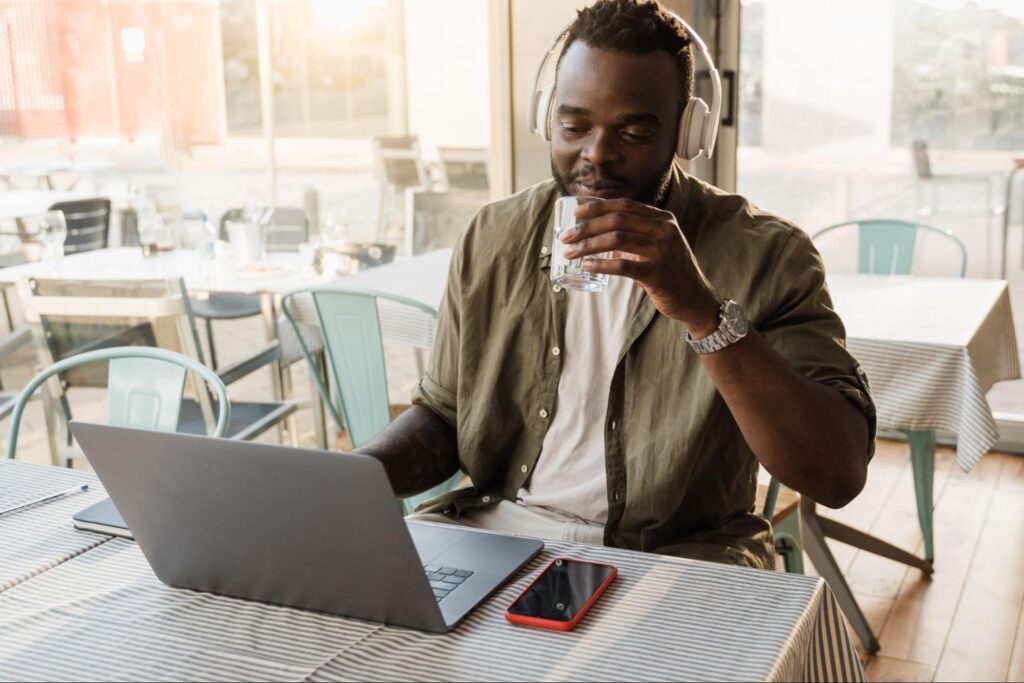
(965, 623)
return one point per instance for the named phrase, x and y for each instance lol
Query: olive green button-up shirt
(681, 478)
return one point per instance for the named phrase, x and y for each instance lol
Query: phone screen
(561, 591)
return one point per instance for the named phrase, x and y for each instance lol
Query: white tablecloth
(39, 537)
(103, 615)
(932, 348)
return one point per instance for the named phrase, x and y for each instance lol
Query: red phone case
(552, 624)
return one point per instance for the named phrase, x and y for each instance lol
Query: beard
(652, 194)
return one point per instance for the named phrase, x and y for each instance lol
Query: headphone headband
(698, 126)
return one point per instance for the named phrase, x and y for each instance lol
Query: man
(588, 417)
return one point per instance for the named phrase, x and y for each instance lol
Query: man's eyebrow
(639, 118)
(625, 119)
(569, 109)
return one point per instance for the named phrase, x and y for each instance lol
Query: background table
(21, 203)
(932, 348)
(101, 614)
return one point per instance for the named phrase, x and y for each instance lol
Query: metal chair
(352, 338)
(434, 220)
(70, 317)
(464, 168)
(144, 389)
(781, 507)
(886, 247)
(288, 228)
(10, 344)
(399, 167)
(88, 222)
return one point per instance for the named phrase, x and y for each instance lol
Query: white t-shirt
(569, 478)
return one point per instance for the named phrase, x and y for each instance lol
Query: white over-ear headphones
(698, 125)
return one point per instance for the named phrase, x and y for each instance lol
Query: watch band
(724, 336)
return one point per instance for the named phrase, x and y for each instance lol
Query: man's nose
(602, 148)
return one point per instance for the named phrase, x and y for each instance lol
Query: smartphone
(561, 595)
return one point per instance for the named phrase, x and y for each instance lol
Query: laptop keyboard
(443, 580)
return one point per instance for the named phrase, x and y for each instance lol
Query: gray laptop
(289, 526)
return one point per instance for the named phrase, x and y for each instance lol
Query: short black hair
(638, 27)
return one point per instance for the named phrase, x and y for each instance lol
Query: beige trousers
(512, 518)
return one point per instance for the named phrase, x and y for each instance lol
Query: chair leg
(209, 339)
(319, 413)
(817, 549)
(7, 309)
(789, 543)
(922, 458)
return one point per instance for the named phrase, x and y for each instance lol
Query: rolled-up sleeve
(437, 389)
(800, 323)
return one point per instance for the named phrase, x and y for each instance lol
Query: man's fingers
(595, 209)
(636, 270)
(613, 222)
(616, 240)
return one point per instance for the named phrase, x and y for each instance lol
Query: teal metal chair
(886, 247)
(786, 529)
(143, 392)
(350, 325)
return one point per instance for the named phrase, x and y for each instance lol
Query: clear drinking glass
(52, 230)
(569, 273)
(333, 228)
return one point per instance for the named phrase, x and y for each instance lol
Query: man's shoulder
(502, 228)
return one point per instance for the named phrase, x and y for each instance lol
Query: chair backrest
(289, 227)
(144, 390)
(922, 164)
(434, 220)
(88, 222)
(885, 246)
(71, 317)
(351, 328)
(399, 162)
(770, 499)
(464, 168)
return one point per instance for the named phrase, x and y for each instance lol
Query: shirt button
(543, 413)
(613, 425)
(543, 250)
(616, 495)
(556, 351)
(557, 288)
(524, 469)
(486, 499)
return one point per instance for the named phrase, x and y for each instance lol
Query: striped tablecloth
(103, 615)
(932, 348)
(37, 538)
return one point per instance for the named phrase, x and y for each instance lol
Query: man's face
(613, 131)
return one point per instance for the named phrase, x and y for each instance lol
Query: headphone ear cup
(691, 129)
(542, 120)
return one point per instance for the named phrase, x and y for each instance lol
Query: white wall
(447, 69)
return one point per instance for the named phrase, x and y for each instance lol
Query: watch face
(735, 319)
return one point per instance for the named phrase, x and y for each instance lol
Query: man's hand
(651, 249)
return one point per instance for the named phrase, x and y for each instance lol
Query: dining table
(80, 606)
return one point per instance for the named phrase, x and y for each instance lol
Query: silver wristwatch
(733, 327)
